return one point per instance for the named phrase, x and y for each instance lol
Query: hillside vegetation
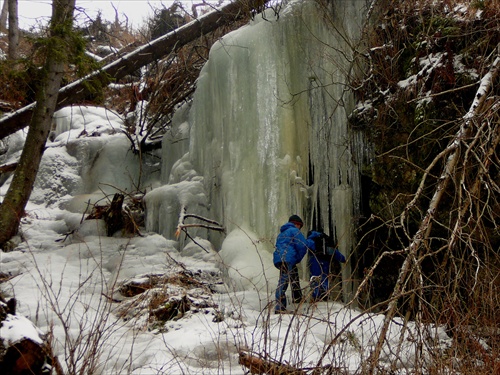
(429, 102)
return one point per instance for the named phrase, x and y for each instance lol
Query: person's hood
(286, 226)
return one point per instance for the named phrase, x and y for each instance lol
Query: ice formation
(266, 135)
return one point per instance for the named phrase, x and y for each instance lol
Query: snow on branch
(484, 87)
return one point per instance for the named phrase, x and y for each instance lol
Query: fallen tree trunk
(132, 61)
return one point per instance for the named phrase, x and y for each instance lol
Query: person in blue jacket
(291, 246)
(322, 254)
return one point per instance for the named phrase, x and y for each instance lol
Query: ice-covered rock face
(268, 124)
(87, 157)
(268, 121)
(93, 136)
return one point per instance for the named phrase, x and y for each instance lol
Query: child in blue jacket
(291, 246)
(322, 254)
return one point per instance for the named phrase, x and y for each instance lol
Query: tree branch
(258, 365)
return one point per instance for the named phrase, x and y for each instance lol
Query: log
(129, 63)
(258, 365)
(114, 215)
(6, 168)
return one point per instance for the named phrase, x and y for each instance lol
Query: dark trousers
(320, 270)
(289, 274)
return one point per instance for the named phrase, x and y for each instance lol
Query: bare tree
(20, 189)
(463, 136)
(433, 233)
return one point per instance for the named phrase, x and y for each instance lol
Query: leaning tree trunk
(142, 56)
(12, 207)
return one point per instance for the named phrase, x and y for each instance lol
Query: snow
(66, 277)
(251, 265)
(427, 64)
(16, 328)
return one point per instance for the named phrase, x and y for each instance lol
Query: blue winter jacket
(321, 264)
(291, 245)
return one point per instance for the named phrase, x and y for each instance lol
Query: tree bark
(3, 17)
(142, 56)
(13, 30)
(20, 189)
(114, 215)
(6, 168)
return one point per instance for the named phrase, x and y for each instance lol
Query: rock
(24, 358)
(23, 351)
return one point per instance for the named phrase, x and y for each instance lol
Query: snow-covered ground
(79, 286)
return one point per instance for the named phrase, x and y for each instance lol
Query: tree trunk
(3, 17)
(13, 30)
(20, 189)
(114, 215)
(142, 56)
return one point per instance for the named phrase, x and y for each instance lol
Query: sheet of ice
(247, 264)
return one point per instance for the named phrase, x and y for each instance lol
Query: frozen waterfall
(266, 135)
